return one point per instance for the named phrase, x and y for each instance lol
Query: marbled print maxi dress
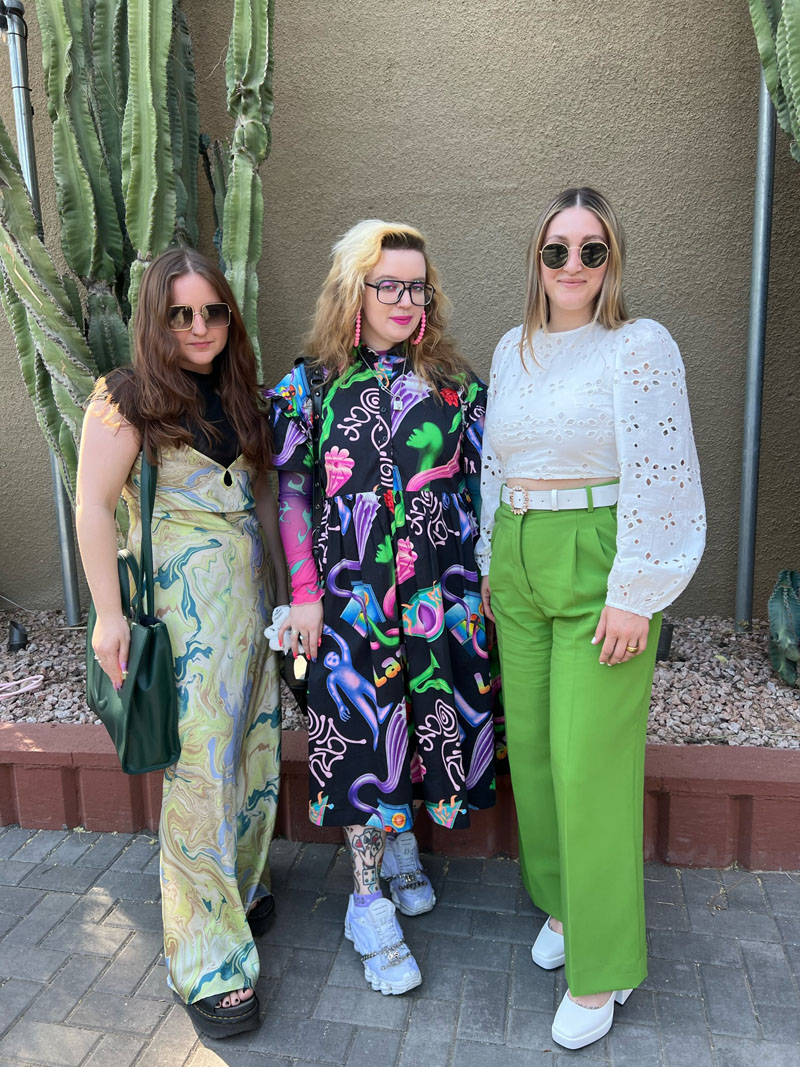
(214, 589)
(399, 696)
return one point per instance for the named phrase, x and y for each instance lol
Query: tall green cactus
(248, 73)
(777, 28)
(120, 83)
(147, 176)
(57, 366)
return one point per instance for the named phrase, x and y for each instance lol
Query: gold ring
(633, 649)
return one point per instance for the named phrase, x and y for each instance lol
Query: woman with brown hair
(190, 403)
(593, 522)
(389, 611)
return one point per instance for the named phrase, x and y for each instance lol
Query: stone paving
(82, 981)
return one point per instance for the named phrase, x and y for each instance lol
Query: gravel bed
(717, 687)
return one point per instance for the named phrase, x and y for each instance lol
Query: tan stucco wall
(463, 119)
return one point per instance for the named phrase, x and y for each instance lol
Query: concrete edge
(705, 805)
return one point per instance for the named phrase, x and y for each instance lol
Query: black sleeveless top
(223, 450)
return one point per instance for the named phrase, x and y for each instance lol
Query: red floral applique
(450, 396)
(388, 499)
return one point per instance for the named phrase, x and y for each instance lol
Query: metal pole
(759, 285)
(23, 114)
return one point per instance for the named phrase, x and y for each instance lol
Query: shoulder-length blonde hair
(330, 340)
(609, 310)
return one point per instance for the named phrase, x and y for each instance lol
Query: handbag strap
(147, 496)
(128, 568)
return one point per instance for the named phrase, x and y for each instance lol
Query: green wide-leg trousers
(576, 738)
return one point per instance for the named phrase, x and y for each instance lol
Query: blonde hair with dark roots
(160, 401)
(330, 341)
(609, 309)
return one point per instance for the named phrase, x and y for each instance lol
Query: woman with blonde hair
(190, 404)
(592, 524)
(379, 506)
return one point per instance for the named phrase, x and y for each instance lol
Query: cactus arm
(787, 49)
(217, 167)
(83, 188)
(107, 333)
(74, 298)
(18, 225)
(249, 69)
(57, 387)
(765, 22)
(241, 238)
(147, 177)
(784, 626)
(108, 103)
(185, 127)
(68, 354)
(776, 26)
(267, 94)
(18, 320)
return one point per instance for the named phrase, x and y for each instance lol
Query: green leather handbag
(142, 718)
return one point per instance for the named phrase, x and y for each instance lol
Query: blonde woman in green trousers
(593, 522)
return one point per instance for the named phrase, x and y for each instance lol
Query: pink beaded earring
(357, 337)
(419, 336)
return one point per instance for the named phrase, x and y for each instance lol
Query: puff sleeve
(291, 422)
(660, 514)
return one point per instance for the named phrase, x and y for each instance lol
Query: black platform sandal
(262, 916)
(211, 1019)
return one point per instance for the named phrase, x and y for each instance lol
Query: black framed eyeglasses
(181, 316)
(555, 254)
(390, 291)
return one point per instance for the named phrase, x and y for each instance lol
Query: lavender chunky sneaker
(376, 935)
(409, 885)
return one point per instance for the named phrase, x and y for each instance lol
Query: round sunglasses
(181, 316)
(555, 254)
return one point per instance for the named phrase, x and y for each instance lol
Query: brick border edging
(705, 805)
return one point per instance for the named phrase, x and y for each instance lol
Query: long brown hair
(160, 401)
(330, 341)
(609, 309)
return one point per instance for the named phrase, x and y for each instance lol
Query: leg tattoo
(366, 846)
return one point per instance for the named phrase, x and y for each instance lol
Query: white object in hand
(279, 616)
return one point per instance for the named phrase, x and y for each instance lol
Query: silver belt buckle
(518, 509)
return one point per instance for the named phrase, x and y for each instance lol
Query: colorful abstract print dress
(399, 700)
(213, 588)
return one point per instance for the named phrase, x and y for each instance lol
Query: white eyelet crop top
(598, 403)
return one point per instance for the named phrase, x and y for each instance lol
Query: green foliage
(120, 84)
(784, 627)
(777, 28)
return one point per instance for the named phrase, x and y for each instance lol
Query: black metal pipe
(754, 386)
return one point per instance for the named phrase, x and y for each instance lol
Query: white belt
(521, 500)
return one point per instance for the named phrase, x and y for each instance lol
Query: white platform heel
(548, 948)
(575, 1026)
